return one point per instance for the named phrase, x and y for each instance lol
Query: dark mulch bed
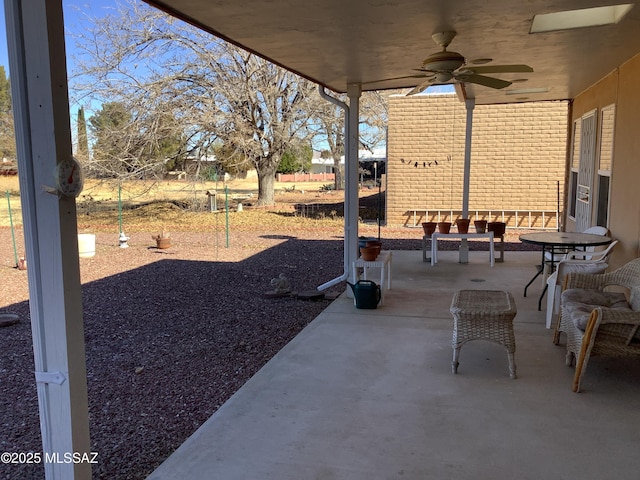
(167, 343)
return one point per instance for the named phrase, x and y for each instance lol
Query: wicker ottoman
(483, 315)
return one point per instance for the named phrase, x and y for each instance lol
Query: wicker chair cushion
(635, 299)
(580, 302)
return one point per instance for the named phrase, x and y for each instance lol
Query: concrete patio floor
(369, 394)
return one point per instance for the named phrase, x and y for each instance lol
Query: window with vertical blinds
(605, 161)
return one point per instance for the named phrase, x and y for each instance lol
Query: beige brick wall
(517, 157)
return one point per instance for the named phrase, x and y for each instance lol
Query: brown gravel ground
(192, 320)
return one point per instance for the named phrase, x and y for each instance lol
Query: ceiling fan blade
(393, 78)
(420, 88)
(482, 80)
(499, 68)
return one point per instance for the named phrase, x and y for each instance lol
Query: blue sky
(71, 10)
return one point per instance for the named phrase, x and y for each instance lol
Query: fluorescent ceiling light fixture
(586, 17)
(520, 91)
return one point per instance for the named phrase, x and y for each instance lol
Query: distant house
(366, 157)
(322, 165)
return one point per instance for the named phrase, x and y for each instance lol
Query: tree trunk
(339, 178)
(266, 186)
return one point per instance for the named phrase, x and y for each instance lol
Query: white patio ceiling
(338, 42)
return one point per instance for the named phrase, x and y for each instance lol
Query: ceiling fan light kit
(443, 77)
(443, 61)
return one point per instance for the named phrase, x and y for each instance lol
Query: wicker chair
(596, 321)
(574, 261)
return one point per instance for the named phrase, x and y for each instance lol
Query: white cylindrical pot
(86, 245)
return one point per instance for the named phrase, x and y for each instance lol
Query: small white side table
(383, 262)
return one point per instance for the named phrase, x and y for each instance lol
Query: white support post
(351, 167)
(35, 32)
(464, 245)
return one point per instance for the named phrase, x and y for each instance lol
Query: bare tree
(374, 116)
(220, 94)
(328, 127)
(255, 108)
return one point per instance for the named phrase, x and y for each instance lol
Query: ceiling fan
(451, 67)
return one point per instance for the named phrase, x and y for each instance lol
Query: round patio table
(559, 242)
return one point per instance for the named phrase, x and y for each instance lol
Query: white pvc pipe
(351, 178)
(345, 274)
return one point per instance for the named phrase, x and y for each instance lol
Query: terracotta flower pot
(163, 243)
(369, 254)
(481, 226)
(498, 228)
(375, 244)
(444, 227)
(463, 225)
(429, 228)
